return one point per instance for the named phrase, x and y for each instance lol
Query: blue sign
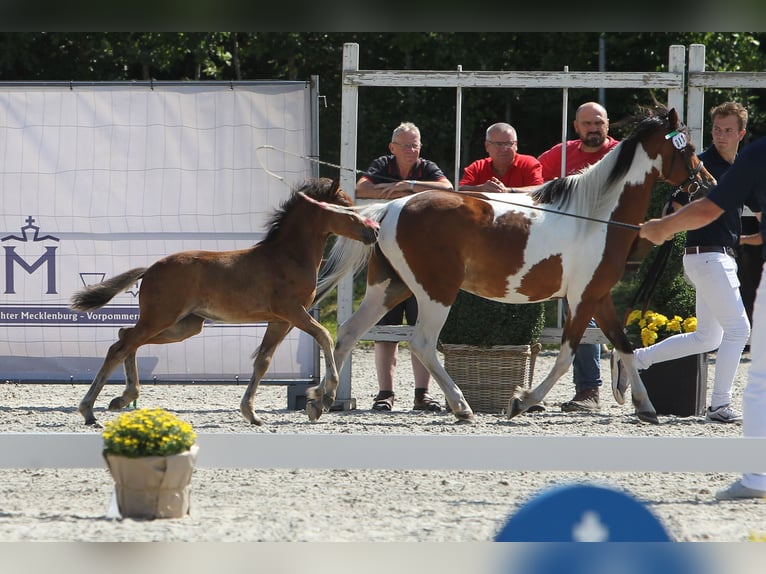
(583, 513)
(562, 517)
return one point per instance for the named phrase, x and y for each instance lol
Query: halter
(681, 144)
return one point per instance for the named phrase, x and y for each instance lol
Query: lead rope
(359, 171)
(656, 269)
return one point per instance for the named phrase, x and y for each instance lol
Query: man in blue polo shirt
(744, 183)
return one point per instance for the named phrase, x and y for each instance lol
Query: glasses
(502, 144)
(411, 147)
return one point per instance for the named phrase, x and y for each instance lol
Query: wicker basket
(488, 376)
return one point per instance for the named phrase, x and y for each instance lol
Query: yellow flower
(645, 329)
(147, 432)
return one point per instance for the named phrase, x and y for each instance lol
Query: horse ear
(335, 185)
(673, 118)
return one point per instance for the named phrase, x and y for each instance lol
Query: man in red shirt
(505, 168)
(591, 124)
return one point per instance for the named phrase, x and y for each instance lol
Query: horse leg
(124, 350)
(132, 385)
(320, 398)
(574, 327)
(117, 351)
(606, 317)
(370, 310)
(523, 399)
(431, 318)
(275, 334)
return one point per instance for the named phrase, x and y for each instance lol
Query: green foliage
(477, 321)
(535, 113)
(673, 294)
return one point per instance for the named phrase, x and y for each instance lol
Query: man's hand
(493, 185)
(654, 230)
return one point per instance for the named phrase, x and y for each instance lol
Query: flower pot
(153, 486)
(488, 376)
(679, 386)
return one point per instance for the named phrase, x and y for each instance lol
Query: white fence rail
(408, 452)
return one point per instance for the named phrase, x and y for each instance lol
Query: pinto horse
(568, 238)
(273, 281)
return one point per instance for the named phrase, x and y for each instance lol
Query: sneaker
(738, 491)
(723, 414)
(583, 401)
(425, 402)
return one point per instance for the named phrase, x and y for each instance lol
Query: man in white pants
(709, 264)
(744, 183)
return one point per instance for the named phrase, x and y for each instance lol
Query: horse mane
(610, 169)
(320, 189)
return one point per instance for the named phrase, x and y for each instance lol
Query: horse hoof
(327, 402)
(648, 417)
(250, 415)
(516, 408)
(313, 410)
(465, 418)
(117, 404)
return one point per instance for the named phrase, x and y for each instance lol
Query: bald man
(591, 124)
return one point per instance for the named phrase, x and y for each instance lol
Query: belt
(709, 249)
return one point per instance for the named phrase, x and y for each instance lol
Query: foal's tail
(96, 296)
(346, 255)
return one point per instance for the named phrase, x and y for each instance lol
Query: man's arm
(366, 189)
(692, 216)
(752, 238)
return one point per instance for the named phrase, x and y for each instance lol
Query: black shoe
(583, 401)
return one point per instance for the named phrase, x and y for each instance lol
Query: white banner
(99, 179)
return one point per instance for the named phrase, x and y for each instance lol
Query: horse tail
(96, 296)
(347, 255)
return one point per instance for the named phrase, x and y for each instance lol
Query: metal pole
(602, 68)
(564, 122)
(458, 126)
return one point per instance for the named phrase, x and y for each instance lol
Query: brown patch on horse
(543, 279)
(379, 270)
(462, 235)
(508, 235)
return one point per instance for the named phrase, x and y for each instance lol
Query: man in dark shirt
(743, 184)
(401, 173)
(710, 265)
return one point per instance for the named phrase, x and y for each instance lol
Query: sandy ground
(238, 505)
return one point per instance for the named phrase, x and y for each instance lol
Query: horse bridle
(692, 183)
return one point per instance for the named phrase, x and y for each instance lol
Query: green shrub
(477, 321)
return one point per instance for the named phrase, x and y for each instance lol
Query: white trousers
(754, 396)
(721, 323)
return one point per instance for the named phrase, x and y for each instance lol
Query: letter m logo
(12, 258)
